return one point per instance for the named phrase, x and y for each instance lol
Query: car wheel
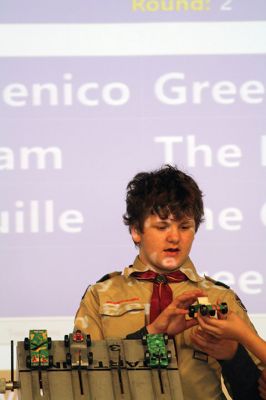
(88, 340)
(165, 338)
(90, 358)
(66, 340)
(224, 309)
(144, 339)
(147, 358)
(51, 361)
(26, 343)
(28, 362)
(203, 310)
(191, 311)
(68, 359)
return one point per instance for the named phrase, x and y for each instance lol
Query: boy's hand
(172, 320)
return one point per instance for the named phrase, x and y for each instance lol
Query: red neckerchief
(162, 294)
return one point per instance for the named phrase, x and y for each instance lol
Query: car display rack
(110, 369)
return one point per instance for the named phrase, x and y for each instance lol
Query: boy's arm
(256, 345)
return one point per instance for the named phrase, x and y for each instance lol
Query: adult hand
(262, 384)
(172, 319)
(220, 349)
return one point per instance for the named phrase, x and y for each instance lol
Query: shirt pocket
(120, 319)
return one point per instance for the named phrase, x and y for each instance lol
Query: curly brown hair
(166, 191)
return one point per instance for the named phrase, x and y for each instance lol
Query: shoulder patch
(85, 292)
(239, 302)
(218, 283)
(109, 276)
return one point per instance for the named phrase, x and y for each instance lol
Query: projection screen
(93, 92)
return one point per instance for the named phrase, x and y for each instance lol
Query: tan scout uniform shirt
(120, 305)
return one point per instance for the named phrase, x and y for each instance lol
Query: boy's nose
(174, 235)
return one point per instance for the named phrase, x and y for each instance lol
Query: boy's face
(164, 244)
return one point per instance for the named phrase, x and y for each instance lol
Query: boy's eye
(161, 228)
(185, 227)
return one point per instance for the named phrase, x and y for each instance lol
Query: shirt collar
(187, 268)
(137, 266)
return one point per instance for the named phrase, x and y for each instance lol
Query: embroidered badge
(199, 355)
(239, 302)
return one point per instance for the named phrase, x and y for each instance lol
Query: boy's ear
(135, 235)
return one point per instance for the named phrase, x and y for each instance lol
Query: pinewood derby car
(156, 355)
(206, 308)
(38, 344)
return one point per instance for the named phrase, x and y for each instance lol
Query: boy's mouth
(172, 250)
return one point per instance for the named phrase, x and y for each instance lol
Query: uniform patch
(200, 355)
(109, 276)
(85, 292)
(239, 302)
(217, 283)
